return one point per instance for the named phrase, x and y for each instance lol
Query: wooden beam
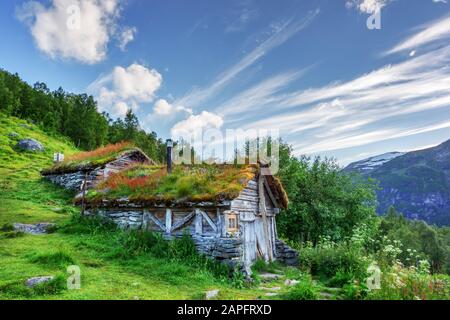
(269, 192)
(262, 209)
(219, 222)
(155, 220)
(183, 221)
(198, 222)
(168, 220)
(208, 219)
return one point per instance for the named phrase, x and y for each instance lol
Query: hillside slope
(416, 184)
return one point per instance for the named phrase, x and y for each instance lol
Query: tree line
(73, 115)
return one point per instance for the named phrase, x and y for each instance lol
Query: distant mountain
(416, 183)
(368, 165)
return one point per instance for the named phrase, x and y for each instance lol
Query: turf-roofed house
(228, 210)
(95, 166)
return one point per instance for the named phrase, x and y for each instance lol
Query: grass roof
(91, 159)
(152, 184)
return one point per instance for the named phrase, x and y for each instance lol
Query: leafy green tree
(324, 202)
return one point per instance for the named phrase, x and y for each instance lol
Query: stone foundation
(72, 181)
(286, 254)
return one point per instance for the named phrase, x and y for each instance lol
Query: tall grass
(107, 150)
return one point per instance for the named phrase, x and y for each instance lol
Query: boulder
(37, 280)
(13, 135)
(212, 294)
(266, 277)
(30, 145)
(38, 228)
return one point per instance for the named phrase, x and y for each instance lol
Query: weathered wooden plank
(168, 220)
(198, 222)
(262, 208)
(208, 219)
(247, 198)
(155, 220)
(183, 222)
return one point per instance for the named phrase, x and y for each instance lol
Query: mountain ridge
(416, 183)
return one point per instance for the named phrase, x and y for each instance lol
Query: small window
(232, 223)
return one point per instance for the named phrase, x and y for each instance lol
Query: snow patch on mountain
(372, 163)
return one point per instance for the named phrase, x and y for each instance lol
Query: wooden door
(247, 225)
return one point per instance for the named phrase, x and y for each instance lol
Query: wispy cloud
(364, 110)
(258, 96)
(433, 32)
(280, 36)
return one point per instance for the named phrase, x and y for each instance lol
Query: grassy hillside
(105, 272)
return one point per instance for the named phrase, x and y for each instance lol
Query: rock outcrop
(38, 228)
(30, 145)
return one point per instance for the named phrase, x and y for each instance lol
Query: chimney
(169, 143)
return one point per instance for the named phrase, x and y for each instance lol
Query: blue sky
(311, 69)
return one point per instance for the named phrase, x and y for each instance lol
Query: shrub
(7, 227)
(306, 289)
(339, 261)
(262, 266)
(54, 286)
(11, 234)
(58, 259)
(18, 289)
(79, 224)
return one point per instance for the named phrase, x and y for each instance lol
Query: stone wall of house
(225, 250)
(74, 180)
(286, 254)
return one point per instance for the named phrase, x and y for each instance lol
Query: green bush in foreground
(338, 263)
(306, 289)
(57, 259)
(20, 290)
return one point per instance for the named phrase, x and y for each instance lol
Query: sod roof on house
(89, 160)
(150, 184)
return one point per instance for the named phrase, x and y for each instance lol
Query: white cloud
(195, 123)
(440, 1)
(125, 88)
(367, 6)
(436, 31)
(163, 108)
(77, 30)
(126, 36)
(280, 35)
